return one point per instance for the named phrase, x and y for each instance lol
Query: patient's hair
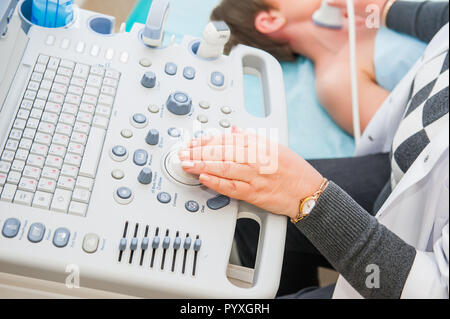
(240, 16)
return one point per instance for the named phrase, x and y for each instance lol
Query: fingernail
(187, 164)
(204, 178)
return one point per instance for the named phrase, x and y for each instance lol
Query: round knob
(149, 80)
(145, 176)
(152, 137)
(179, 103)
(175, 170)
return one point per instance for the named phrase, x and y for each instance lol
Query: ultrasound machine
(91, 188)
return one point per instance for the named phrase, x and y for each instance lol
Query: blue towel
(312, 132)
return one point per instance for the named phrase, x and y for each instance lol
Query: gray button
(166, 242)
(192, 206)
(177, 243)
(140, 157)
(11, 227)
(155, 242)
(152, 137)
(218, 202)
(226, 109)
(153, 108)
(145, 176)
(36, 232)
(139, 118)
(224, 123)
(204, 105)
(145, 242)
(124, 192)
(134, 243)
(164, 197)
(179, 103)
(90, 243)
(123, 244)
(119, 151)
(217, 79)
(61, 237)
(126, 133)
(149, 80)
(145, 62)
(202, 119)
(187, 243)
(171, 68)
(197, 244)
(117, 174)
(189, 73)
(174, 132)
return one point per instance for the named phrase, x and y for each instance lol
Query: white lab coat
(418, 208)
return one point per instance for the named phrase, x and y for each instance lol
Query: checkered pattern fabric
(426, 115)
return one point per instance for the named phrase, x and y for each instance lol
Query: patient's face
(296, 10)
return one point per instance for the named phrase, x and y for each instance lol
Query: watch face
(308, 206)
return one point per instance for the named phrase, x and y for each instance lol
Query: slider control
(186, 246)
(165, 246)
(197, 246)
(155, 245)
(134, 243)
(123, 242)
(176, 246)
(144, 245)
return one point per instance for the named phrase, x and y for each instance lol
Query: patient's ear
(269, 21)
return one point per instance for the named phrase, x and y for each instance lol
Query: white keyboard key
(100, 122)
(39, 149)
(46, 84)
(43, 59)
(67, 64)
(65, 182)
(36, 113)
(17, 165)
(46, 185)
(23, 198)
(13, 177)
(39, 104)
(95, 70)
(90, 90)
(81, 195)
(112, 74)
(4, 166)
(65, 129)
(57, 150)
(73, 99)
(82, 128)
(8, 156)
(110, 82)
(27, 184)
(53, 107)
(43, 138)
(50, 173)
(59, 88)
(3, 177)
(90, 99)
(95, 81)
(42, 94)
(80, 47)
(61, 139)
(75, 90)
(92, 152)
(19, 124)
(81, 71)
(15, 134)
(31, 172)
(39, 67)
(29, 133)
(25, 143)
(61, 200)
(104, 111)
(54, 161)
(33, 86)
(77, 209)
(36, 161)
(53, 63)
(22, 154)
(26, 104)
(80, 138)
(49, 75)
(33, 123)
(42, 200)
(72, 159)
(88, 108)
(11, 145)
(85, 183)
(108, 90)
(95, 50)
(69, 171)
(23, 114)
(46, 128)
(31, 95)
(56, 98)
(84, 117)
(78, 82)
(64, 71)
(49, 118)
(36, 76)
(9, 190)
(105, 100)
(68, 119)
(75, 148)
(62, 79)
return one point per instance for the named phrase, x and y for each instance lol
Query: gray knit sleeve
(374, 260)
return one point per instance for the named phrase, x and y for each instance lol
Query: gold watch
(308, 204)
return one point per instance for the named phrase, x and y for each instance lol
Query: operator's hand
(237, 166)
(362, 7)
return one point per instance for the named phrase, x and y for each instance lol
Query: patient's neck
(315, 43)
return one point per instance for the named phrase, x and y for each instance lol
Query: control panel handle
(153, 33)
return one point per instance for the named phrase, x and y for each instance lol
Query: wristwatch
(308, 204)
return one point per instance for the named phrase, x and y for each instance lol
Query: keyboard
(51, 157)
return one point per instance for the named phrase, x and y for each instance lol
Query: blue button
(11, 227)
(155, 242)
(164, 197)
(179, 103)
(187, 243)
(171, 68)
(189, 73)
(36, 232)
(177, 243)
(192, 206)
(197, 244)
(119, 151)
(152, 137)
(218, 202)
(166, 242)
(145, 242)
(123, 244)
(140, 157)
(134, 243)
(145, 177)
(149, 80)
(174, 132)
(139, 118)
(217, 79)
(61, 237)
(124, 192)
